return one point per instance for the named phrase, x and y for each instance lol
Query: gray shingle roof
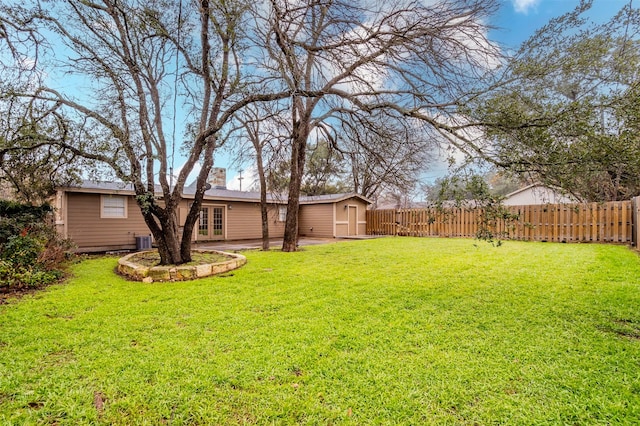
(102, 187)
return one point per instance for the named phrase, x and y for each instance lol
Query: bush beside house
(31, 253)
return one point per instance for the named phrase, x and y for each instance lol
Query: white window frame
(282, 214)
(109, 202)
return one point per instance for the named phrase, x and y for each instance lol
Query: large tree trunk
(263, 198)
(265, 219)
(298, 156)
(196, 205)
(163, 224)
(169, 243)
(174, 246)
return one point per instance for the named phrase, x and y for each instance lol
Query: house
(536, 194)
(103, 216)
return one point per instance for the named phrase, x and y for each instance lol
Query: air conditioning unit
(143, 242)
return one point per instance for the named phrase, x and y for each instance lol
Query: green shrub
(31, 253)
(15, 218)
(22, 250)
(12, 277)
(7, 274)
(39, 278)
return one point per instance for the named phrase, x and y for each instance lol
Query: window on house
(203, 224)
(113, 207)
(282, 214)
(217, 220)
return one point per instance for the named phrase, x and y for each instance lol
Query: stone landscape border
(149, 274)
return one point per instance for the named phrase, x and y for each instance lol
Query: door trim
(210, 224)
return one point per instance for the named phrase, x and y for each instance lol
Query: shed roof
(332, 198)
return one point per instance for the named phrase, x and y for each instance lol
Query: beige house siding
(332, 219)
(535, 195)
(242, 220)
(276, 227)
(316, 220)
(80, 216)
(245, 222)
(90, 232)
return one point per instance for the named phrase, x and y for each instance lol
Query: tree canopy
(566, 114)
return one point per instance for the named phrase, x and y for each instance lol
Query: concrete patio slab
(274, 243)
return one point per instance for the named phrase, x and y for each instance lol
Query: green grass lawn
(388, 331)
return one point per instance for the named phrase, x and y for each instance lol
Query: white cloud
(524, 6)
(475, 45)
(249, 180)
(191, 177)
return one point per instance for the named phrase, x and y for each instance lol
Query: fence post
(635, 215)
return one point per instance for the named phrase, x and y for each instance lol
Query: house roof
(525, 188)
(103, 187)
(332, 198)
(534, 186)
(538, 194)
(121, 188)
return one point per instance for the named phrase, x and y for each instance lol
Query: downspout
(335, 207)
(60, 214)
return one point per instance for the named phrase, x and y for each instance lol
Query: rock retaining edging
(149, 274)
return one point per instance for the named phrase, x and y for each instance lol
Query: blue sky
(519, 19)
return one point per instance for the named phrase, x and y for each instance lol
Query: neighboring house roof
(536, 194)
(212, 194)
(396, 205)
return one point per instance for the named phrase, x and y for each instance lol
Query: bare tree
(111, 67)
(417, 59)
(385, 153)
(325, 170)
(258, 125)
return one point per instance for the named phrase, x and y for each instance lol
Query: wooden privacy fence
(611, 222)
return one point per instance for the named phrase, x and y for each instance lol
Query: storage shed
(335, 215)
